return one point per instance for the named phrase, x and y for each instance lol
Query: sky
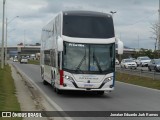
(133, 18)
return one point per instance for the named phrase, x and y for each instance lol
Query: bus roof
(86, 13)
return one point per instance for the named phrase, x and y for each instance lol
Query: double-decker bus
(78, 52)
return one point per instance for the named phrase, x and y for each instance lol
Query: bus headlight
(69, 78)
(107, 79)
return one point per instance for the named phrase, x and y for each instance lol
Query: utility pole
(138, 42)
(24, 38)
(7, 22)
(2, 47)
(6, 44)
(159, 28)
(113, 12)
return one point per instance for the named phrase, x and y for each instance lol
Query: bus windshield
(89, 58)
(88, 26)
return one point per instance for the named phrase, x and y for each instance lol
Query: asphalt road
(125, 97)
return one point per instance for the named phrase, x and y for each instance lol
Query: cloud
(133, 17)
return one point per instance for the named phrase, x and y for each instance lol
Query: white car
(24, 60)
(134, 59)
(15, 60)
(128, 63)
(143, 61)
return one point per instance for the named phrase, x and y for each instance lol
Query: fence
(140, 72)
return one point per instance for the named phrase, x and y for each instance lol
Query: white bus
(78, 52)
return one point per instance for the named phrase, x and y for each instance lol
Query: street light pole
(2, 47)
(138, 42)
(113, 12)
(159, 29)
(6, 45)
(7, 37)
(24, 38)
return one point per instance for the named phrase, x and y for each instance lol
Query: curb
(51, 102)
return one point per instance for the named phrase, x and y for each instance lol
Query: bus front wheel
(58, 91)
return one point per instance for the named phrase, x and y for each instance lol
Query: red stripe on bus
(61, 77)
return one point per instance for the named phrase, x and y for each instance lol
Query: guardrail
(140, 72)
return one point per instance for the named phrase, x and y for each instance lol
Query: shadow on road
(81, 94)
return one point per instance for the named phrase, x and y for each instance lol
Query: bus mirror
(60, 44)
(120, 46)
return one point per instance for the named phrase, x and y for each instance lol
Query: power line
(141, 20)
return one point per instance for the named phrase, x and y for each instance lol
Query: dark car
(154, 65)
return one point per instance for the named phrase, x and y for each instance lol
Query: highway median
(35, 62)
(138, 80)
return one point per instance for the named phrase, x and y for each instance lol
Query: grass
(8, 99)
(36, 62)
(137, 80)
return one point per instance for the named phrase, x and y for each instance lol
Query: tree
(155, 31)
(38, 44)
(146, 52)
(20, 44)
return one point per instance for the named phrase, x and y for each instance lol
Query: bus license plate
(88, 85)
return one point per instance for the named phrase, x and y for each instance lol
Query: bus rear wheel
(42, 73)
(54, 88)
(45, 82)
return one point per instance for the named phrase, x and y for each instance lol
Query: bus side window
(47, 57)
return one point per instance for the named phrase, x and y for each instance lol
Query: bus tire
(58, 91)
(54, 88)
(42, 73)
(45, 82)
(53, 80)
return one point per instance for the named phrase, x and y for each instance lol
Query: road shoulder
(28, 97)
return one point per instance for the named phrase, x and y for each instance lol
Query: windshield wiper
(78, 67)
(98, 65)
